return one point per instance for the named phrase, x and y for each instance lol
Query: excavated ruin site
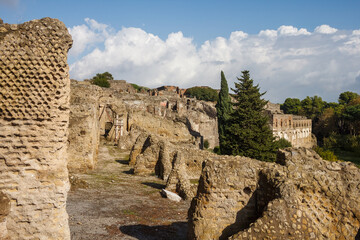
(78, 161)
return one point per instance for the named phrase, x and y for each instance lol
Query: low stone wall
(34, 118)
(302, 197)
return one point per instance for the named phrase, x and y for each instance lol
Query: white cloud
(85, 36)
(238, 36)
(287, 62)
(356, 32)
(292, 31)
(325, 29)
(268, 33)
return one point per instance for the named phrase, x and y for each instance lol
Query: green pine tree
(247, 132)
(223, 108)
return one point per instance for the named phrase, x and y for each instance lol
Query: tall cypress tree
(223, 108)
(247, 132)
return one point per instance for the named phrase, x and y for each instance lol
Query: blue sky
(187, 43)
(201, 20)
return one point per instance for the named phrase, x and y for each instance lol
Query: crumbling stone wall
(301, 197)
(177, 119)
(84, 129)
(174, 131)
(34, 117)
(122, 86)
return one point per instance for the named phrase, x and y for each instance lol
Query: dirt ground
(112, 203)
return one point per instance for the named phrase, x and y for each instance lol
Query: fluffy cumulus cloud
(325, 29)
(87, 35)
(286, 62)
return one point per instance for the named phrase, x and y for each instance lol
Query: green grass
(194, 181)
(129, 212)
(104, 177)
(348, 156)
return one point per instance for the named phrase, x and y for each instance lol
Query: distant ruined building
(168, 91)
(295, 129)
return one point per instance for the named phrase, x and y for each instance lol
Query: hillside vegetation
(202, 93)
(336, 125)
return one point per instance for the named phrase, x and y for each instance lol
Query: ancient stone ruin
(300, 197)
(295, 129)
(34, 117)
(84, 128)
(179, 165)
(121, 116)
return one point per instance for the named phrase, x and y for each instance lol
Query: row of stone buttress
(34, 117)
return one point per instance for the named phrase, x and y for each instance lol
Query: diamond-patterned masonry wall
(34, 116)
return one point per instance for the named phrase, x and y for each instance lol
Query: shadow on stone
(154, 185)
(131, 171)
(175, 231)
(260, 198)
(125, 162)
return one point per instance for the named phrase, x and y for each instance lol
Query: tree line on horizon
(336, 125)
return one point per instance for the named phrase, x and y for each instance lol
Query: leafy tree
(291, 106)
(326, 124)
(346, 97)
(102, 79)
(351, 115)
(248, 132)
(312, 106)
(202, 93)
(223, 109)
(355, 101)
(333, 105)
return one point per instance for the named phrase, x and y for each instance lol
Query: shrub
(102, 79)
(217, 150)
(206, 144)
(331, 141)
(326, 154)
(102, 82)
(202, 93)
(282, 143)
(139, 88)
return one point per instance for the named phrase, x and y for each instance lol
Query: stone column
(34, 117)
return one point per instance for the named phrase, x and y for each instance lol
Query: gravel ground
(112, 203)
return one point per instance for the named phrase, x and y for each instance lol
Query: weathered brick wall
(34, 117)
